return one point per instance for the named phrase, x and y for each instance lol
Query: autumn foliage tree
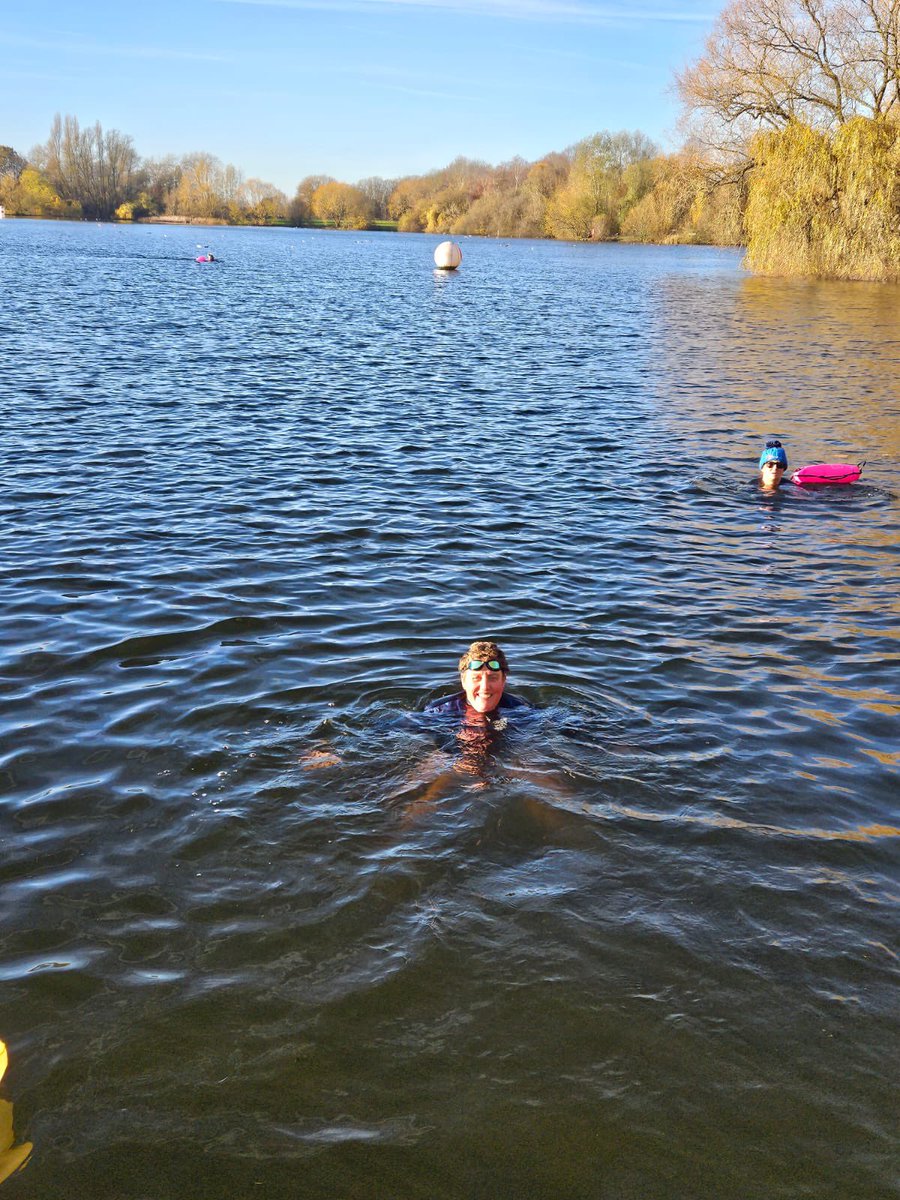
(503, 212)
(433, 203)
(30, 194)
(605, 180)
(299, 210)
(686, 203)
(341, 205)
(585, 192)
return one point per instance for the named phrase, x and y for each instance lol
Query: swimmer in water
(482, 705)
(772, 465)
(483, 670)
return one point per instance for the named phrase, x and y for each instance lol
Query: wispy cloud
(40, 76)
(563, 11)
(72, 44)
(470, 91)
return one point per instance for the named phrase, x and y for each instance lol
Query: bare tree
(470, 176)
(378, 191)
(117, 161)
(510, 176)
(230, 186)
(97, 169)
(158, 177)
(769, 62)
(265, 203)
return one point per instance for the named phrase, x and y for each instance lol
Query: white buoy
(448, 256)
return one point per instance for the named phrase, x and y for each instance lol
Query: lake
(266, 928)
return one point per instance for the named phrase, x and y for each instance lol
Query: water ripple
(263, 913)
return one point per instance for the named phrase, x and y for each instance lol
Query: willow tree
(456, 188)
(827, 204)
(513, 210)
(783, 89)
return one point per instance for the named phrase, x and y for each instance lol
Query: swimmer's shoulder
(447, 705)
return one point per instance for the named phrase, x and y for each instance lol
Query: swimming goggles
(478, 664)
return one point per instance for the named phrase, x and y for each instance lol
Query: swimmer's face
(483, 688)
(770, 475)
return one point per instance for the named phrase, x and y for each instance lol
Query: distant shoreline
(377, 227)
(374, 227)
(206, 222)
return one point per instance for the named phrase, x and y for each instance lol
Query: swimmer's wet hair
(484, 651)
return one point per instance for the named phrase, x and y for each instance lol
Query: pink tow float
(205, 258)
(817, 474)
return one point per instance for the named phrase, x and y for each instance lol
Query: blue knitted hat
(774, 451)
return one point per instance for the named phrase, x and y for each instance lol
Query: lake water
(265, 930)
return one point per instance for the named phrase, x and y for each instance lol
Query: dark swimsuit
(455, 706)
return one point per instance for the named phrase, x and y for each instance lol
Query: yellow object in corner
(11, 1157)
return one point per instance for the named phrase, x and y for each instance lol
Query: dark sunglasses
(773, 462)
(478, 664)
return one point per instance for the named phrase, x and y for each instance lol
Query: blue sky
(349, 88)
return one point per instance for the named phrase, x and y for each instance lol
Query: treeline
(608, 185)
(792, 147)
(88, 172)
